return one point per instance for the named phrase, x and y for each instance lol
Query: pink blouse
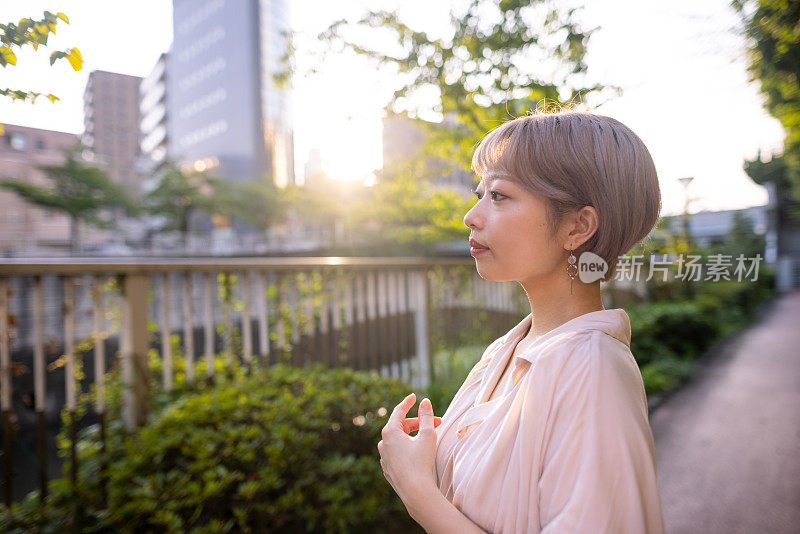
(567, 449)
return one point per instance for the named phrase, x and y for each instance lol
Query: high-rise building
(225, 109)
(111, 124)
(153, 111)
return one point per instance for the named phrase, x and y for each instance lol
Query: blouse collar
(614, 322)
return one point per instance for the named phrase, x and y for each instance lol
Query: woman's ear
(585, 223)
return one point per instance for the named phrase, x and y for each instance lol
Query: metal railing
(365, 313)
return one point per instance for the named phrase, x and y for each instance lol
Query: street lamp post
(685, 181)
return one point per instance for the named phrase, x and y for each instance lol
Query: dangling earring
(572, 269)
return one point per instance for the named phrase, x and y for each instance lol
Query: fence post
(5, 392)
(135, 368)
(421, 296)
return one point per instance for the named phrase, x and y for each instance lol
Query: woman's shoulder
(591, 349)
(589, 365)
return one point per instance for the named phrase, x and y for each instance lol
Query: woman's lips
(476, 248)
(474, 251)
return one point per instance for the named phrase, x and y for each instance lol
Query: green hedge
(667, 337)
(282, 450)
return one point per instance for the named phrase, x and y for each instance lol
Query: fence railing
(377, 314)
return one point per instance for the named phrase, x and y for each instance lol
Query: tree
(259, 203)
(773, 31)
(740, 239)
(177, 196)
(82, 192)
(498, 61)
(410, 211)
(33, 33)
(776, 171)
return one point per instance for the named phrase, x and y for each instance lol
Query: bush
(669, 330)
(283, 450)
(666, 374)
(667, 336)
(737, 301)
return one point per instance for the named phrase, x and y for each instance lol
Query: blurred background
(232, 240)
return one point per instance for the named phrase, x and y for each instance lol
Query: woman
(549, 432)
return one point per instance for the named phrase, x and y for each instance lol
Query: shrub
(670, 329)
(668, 336)
(282, 450)
(666, 374)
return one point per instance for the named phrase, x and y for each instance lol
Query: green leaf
(56, 55)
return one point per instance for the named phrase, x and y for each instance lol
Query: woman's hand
(407, 461)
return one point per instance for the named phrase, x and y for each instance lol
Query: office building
(225, 111)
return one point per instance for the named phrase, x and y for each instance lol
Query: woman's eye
(494, 194)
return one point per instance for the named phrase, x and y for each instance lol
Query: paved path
(728, 444)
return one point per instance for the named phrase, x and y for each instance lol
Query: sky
(681, 68)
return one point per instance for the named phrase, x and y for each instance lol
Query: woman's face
(512, 223)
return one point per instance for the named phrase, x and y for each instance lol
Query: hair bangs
(495, 155)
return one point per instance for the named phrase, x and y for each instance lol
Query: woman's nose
(470, 218)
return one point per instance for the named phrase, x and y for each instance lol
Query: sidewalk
(728, 443)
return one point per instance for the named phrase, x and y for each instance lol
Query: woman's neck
(552, 304)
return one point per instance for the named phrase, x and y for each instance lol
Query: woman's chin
(485, 272)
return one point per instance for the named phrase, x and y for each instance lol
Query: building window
(39, 144)
(17, 141)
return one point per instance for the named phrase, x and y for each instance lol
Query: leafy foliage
(259, 203)
(179, 194)
(495, 61)
(78, 189)
(773, 30)
(409, 211)
(498, 60)
(777, 170)
(668, 336)
(282, 450)
(33, 33)
(176, 195)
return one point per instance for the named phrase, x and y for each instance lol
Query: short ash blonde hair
(574, 159)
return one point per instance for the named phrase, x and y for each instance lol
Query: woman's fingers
(400, 411)
(411, 424)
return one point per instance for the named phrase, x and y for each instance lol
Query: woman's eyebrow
(493, 178)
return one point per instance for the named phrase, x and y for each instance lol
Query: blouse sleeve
(598, 471)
